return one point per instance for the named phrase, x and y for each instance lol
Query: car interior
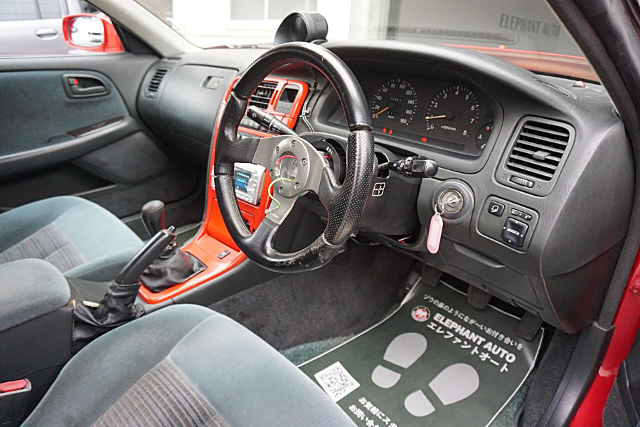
(318, 232)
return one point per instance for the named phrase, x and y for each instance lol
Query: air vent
(262, 95)
(538, 149)
(154, 84)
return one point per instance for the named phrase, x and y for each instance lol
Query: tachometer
(453, 114)
(395, 101)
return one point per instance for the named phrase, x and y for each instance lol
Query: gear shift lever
(153, 217)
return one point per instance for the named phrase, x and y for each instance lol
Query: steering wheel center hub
(291, 167)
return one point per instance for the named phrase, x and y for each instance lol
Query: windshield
(523, 32)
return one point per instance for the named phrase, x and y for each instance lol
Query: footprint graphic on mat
(403, 351)
(453, 384)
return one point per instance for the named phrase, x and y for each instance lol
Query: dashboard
(541, 165)
(445, 114)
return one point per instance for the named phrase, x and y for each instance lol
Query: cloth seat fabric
(184, 365)
(78, 237)
(30, 288)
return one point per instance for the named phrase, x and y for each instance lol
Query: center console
(35, 332)
(213, 246)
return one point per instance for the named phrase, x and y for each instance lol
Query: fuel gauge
(483, 135)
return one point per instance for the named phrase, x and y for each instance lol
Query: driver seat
(184, 365)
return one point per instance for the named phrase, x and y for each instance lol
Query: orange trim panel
(213, 238)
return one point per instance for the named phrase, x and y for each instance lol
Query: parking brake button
(514, 232)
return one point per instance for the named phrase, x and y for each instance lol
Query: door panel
(38, 113)
(124, 70)
(69, 125)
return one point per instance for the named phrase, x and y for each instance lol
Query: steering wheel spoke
(280, 206)
(328, 188)
(263, 153)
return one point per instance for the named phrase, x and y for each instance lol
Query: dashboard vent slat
(551, 131)
(539, 148)
(156, 79)
(262, 95)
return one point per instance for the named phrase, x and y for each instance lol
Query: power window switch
(514, 232)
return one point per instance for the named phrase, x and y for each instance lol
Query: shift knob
(153, 216)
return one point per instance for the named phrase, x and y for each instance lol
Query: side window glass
(55, 27)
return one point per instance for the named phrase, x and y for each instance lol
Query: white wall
(208, 23)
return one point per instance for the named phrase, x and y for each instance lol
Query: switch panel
(507, 223)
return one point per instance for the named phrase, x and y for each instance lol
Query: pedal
(528, 326)
(477, 298)
(430, 276)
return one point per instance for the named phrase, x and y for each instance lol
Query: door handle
(84, 85)
(46, 33)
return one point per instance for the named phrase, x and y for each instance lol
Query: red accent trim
(13, 386)
(212, 237)
(111, 43)
(626, 322)
(291, 118)
(206, 249)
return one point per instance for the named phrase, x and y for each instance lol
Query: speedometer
(453, 114)
(396, 102)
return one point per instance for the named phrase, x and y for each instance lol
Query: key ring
(439, 205)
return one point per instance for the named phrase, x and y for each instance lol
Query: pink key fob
(435, 233)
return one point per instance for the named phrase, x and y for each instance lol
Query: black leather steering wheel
(305, 170)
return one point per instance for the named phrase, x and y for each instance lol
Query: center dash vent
(158, 75)
(262, 95)
(536, 154)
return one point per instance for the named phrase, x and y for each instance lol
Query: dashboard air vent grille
(154, 83)
(538, 150)
(262, 95)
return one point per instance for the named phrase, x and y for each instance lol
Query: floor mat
(305, 352)
(436, 361)
(354, 291)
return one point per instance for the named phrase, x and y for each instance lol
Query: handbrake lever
(142, 260)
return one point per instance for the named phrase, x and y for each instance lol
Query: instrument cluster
(448, 115)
